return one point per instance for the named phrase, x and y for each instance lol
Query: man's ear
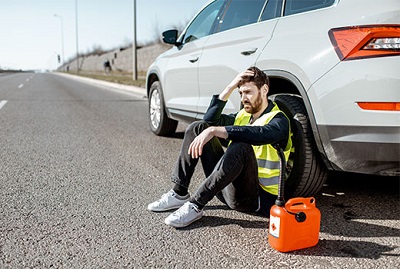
(265, 89)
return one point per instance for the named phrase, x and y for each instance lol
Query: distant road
(79, 164)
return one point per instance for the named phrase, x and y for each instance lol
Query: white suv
(334, 67)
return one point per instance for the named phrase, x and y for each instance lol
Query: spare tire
(306, 172)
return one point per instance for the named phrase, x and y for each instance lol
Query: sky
(34, 32)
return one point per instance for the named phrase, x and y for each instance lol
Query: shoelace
(184, 210)
(164, 197)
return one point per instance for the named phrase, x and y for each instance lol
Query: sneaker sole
(164, 209)
(182, 225)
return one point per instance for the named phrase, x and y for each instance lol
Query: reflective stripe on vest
(269, 181)
(266, 155)
(268, 164)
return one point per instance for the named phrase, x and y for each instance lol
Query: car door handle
(249, 51)
(194, 59)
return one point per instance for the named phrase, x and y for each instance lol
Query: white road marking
(2, 103)
(20, 86)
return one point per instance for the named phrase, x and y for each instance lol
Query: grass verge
(117, 77)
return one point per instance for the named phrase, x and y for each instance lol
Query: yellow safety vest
(266, 155)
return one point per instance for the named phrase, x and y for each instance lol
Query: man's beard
(255, 107)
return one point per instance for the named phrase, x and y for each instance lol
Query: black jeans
(231, 176)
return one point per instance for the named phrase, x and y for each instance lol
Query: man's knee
(197, 127)
(242, 147)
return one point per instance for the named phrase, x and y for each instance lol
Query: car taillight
(358, 42)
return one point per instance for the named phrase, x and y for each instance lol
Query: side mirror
(171, 37)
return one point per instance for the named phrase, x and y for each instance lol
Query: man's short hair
(259, 78)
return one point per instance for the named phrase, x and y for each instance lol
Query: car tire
(160, 124)
(306, 172)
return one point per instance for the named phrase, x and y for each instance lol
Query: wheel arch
(283, 82)
(151, 77)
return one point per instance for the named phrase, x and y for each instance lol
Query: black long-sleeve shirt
(276, 131)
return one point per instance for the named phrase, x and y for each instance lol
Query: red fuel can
(295, 225)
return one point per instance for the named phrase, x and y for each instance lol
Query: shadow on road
(216, 221)
(347, 248)
(357, 206)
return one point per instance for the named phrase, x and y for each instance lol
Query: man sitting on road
(245, 176)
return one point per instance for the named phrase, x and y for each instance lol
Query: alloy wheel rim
(155, 109)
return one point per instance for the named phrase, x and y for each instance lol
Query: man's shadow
(215, 221)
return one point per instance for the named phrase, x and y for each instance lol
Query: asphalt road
(79, 164)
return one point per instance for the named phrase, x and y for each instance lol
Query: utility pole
(76, 32)
(134, 49)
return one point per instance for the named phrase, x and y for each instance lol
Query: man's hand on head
(226, 93)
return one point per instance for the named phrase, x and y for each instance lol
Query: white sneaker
(184, 216)
(168, 201)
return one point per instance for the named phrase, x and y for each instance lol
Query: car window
(273, 9)
(201, 26)
(239, 13)
(297, 6)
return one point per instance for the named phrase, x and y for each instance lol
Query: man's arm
(214, 116)
(196, 147)
(277, 130)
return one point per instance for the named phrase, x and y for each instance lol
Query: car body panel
(181, 75)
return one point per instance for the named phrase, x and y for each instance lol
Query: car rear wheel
(160, 124)
(306, 172)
